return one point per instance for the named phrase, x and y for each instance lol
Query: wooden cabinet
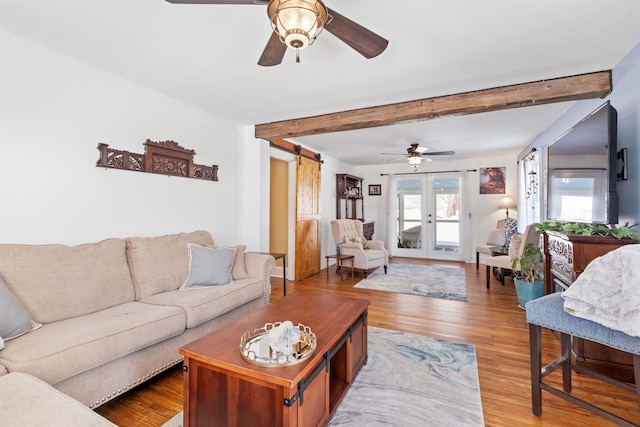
(350, 201)
(368, 229)
(349, 197)
(566, 257)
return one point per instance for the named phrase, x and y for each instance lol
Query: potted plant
(528, 274)
(584, 229)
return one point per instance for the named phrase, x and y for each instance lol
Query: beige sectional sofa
(113, 314)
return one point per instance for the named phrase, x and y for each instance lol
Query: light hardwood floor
(490, 320)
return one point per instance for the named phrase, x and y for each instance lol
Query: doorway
(427, 216)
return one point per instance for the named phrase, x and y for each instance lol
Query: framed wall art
(375, 190)
(492, 180)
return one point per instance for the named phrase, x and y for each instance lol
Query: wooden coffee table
(222, 389)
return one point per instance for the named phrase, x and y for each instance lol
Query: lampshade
(297, 22)
(415, 160)
(506, 203)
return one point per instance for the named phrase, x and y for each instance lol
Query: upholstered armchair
(497, 238)
(348, 236)
(516, 248)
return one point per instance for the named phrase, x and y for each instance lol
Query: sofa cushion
(208, 266)
(160, 264)
(239, 270)
(66, 348)
(375, 254)
(57, 282)
(204, 304)
(28, 401)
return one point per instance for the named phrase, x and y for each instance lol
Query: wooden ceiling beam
(573, 88)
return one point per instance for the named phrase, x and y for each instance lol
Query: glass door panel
(443, 224)
(410, 217)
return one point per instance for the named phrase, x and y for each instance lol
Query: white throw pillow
(514, 247)
(497, 237)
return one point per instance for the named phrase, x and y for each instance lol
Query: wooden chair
(548, 312)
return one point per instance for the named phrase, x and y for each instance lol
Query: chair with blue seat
(548, 312)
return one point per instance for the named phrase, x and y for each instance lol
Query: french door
(427, 216)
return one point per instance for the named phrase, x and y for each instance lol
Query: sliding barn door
(307, 218)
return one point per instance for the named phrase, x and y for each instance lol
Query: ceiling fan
(296, 23)
(416, 154)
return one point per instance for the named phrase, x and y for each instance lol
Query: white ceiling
(206, 55)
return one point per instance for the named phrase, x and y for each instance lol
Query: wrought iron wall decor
(164, 157)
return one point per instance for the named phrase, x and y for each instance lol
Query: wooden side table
(277, 256)
(340, 258)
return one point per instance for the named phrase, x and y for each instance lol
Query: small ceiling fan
(416, 154)
(296, 23)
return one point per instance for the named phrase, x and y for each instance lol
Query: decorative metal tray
(255, 348)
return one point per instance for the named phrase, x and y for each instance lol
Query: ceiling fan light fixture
(415, 160)
(297, 22)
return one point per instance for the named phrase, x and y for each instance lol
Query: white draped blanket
(608, 291)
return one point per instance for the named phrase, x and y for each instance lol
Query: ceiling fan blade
(273, 52)
(262, 2)
(439, 153)
(395, 159)
(364, 41)
(393, 154)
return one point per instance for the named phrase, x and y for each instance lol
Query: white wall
(480, 211)
(625, 98)
(54, 112)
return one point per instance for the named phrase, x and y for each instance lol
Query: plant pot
(528, 291)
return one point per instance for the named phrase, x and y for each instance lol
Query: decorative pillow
(357, 239)
(14, 319)
(514, 247)
(497, 237)
(209, 266)
(365, 243)
(512, 228)
(239, 270)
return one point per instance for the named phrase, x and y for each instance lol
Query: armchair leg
(385, 269)
(366, 273)
(488, 277)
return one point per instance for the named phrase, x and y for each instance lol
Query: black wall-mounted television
(581, 170)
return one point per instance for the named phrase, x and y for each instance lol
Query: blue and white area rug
(425, 280)
(410, 380)
(413, 380)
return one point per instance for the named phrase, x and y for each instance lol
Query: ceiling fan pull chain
(298, 56)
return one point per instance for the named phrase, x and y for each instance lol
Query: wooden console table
(222, 389)
(566, 257)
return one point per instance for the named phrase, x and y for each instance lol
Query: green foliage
(584, 229)
(529, 265)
